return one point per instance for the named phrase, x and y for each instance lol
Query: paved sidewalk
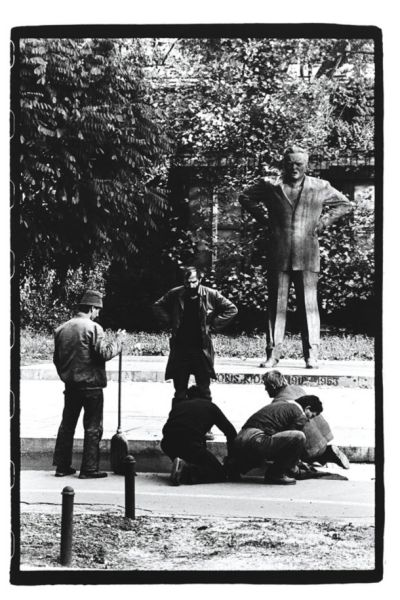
(351, 500)
(145, 408)
(346, 389)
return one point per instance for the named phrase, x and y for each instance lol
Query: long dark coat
(215, 312)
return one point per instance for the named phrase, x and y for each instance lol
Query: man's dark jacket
(191, 419)
(276, 417)
(215, 312)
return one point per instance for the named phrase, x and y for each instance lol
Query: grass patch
(37, 346)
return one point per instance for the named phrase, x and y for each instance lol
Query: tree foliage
(246, 98)
(92, 152)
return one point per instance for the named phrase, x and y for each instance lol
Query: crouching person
(317, 431)
(184, 439)
(274, 433)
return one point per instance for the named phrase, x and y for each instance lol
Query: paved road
(351, 500)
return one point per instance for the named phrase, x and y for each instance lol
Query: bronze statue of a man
(297, 208)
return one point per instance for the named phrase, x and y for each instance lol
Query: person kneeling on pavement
(274, 433)
(184, 439)
(317, 431)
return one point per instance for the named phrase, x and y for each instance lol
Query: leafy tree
(92, 153)
(245, 98)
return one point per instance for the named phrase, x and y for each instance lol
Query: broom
(119, 443)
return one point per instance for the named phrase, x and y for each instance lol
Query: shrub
(46, 301)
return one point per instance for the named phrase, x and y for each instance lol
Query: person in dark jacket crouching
(80, 353)
(184, 439)
(274, 433)
(317, 431)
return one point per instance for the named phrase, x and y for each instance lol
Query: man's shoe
(231, 469)
(311, 363)
(92, 474)
(269, 363)
(334, 455)
(178, 466)
(64, 472)
(280, 479)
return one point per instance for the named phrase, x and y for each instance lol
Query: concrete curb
(233, 377)
(37, 453)
(349, 374)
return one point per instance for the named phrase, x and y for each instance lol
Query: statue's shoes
(269, 363)
(311, 363)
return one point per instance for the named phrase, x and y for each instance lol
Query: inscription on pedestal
(307, 380)
(239, 378)
(313, 380)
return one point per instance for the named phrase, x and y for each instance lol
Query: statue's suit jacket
(294, 226)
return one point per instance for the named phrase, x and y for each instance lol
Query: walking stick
(119, 443)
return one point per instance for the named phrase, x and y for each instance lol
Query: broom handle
(119, 388)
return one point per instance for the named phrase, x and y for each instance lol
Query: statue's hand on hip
(319, 228)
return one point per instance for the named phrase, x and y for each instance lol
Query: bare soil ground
(109, 541)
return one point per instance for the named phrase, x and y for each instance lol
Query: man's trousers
(91, 400)
(305, 283)
(252, 447)
(204, 466)
(191, 361)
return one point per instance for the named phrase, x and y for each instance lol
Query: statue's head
(295, 162)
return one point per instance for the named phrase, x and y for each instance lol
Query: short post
(129, 463)
(66, 525)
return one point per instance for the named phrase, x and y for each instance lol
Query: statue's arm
(254, 200)
(335, 205)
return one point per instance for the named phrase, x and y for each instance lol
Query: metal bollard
(129, 463)
(66, 525)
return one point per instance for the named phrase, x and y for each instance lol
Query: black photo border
(298, 30)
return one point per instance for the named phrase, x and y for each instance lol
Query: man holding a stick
(80, 354)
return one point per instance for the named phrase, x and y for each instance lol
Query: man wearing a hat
(80, 353)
